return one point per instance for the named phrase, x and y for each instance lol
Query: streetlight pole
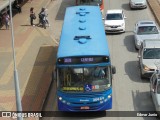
(16, 81)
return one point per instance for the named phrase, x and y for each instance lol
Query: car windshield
(92, 79)
(152, 53)
(147, 30)
(114, 16)
(90, 2)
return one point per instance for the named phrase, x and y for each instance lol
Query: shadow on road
(133, 72)
(129, 43)
(126, 6)
(38, 84)
(142, 103)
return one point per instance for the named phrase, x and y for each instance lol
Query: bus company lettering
(73, 88)
(85, 100)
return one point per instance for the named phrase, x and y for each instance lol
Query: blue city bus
(83, 70)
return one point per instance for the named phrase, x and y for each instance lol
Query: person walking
(46, 15)
(32, 16)
(6, 20)
(43, 18)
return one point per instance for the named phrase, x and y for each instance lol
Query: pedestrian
(43, 16)
(32, 16)
(6, 20)
(46, 17)
(17, 6)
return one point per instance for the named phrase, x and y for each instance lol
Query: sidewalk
(34, 48)
(155, 8)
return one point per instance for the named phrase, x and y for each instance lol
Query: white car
(137, 4)
(155, 90)
(145, 29)
(115, 21)
(149, 55)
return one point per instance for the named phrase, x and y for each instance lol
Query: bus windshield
(91, 79)
(90, 2)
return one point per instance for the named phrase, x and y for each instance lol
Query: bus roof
(83, 33)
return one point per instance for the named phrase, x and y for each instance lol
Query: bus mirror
(113, 69)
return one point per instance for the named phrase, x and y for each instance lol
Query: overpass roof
(4, 4)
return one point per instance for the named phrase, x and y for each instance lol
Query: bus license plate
(85, 108)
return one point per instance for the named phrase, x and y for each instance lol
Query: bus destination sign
(83, 60)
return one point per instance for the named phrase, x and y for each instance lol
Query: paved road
(130, 93)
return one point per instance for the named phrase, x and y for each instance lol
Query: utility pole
(16, 81)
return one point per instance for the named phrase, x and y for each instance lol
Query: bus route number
(98, 99)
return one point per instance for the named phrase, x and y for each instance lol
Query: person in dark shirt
(32, 16)
(17, 6)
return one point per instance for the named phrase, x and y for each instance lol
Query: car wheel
(146, 7)
(141, 75)
(150, 94)
(130, 6)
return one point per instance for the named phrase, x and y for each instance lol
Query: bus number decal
(98, 99)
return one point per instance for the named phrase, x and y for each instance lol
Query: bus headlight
(60, 98)
(109, 96)
(64, 101)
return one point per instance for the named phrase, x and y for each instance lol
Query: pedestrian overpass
(4, 5)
